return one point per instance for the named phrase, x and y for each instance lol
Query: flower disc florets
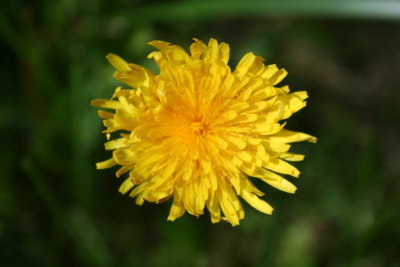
(197, 131)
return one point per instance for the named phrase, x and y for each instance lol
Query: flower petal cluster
(199, 132)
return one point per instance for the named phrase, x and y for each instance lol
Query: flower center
(198, 128)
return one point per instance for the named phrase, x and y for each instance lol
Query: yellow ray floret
(197, 131)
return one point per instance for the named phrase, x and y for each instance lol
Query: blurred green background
(57, 210)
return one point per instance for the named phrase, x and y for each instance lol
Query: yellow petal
(278, 76)
(266, 129)
(106, 164)
(281, 166)
(220, 142)
(150, 158)
(262, 154)
(187, 173)
(244, 64)
(292, 157)
(275, 180)
(227, 208)
(237, 141)
(283, 185)
(175, 54)
(213, 51)
(197, 49)
(215, 211)
(256, 203)
(116, 143)
(124, 169)
(286, 136)
(177, 210)
(117, 62)
(125, 156)
(170, 169)
(104, 114)
(126, 186)
(244, 155)
(269, 71)
(224, 52)
(104, 103)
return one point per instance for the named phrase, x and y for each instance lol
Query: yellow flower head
(197, 131)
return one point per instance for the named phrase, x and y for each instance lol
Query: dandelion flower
(200, 133)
